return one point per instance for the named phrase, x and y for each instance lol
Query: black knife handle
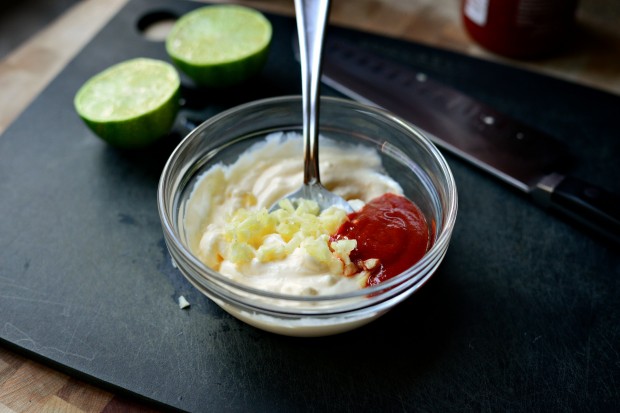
(591, 205)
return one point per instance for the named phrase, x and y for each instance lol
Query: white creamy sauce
(267, 172)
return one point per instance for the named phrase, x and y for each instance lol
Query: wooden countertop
(593, 59)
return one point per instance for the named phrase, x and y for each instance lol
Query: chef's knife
(514, 152)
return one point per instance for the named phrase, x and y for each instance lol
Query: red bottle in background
(519, 28)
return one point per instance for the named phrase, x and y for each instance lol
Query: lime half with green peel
(131, 104)
(221, 45)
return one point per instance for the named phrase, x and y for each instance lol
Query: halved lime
(131, 104)
(220, 45)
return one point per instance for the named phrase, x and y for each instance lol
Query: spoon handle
(311, 20)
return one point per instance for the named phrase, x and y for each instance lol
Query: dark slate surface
(522, 315)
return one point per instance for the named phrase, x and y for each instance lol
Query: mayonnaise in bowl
(301, 271)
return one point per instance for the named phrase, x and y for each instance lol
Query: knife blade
(514, 152)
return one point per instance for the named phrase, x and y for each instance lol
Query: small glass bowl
(408, 157)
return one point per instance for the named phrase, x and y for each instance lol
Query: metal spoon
(311, 20)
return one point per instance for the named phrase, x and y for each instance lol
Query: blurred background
(591, 56)
(21, 19)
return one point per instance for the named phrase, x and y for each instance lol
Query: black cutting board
(522, 315)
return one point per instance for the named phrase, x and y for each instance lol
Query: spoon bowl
(318, 193)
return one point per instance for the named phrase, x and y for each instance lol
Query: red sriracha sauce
(391, 229)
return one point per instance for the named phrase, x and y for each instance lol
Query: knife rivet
(489, 120)
(420, 77)
(520, 135)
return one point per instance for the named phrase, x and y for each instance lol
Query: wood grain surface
(592, 59)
